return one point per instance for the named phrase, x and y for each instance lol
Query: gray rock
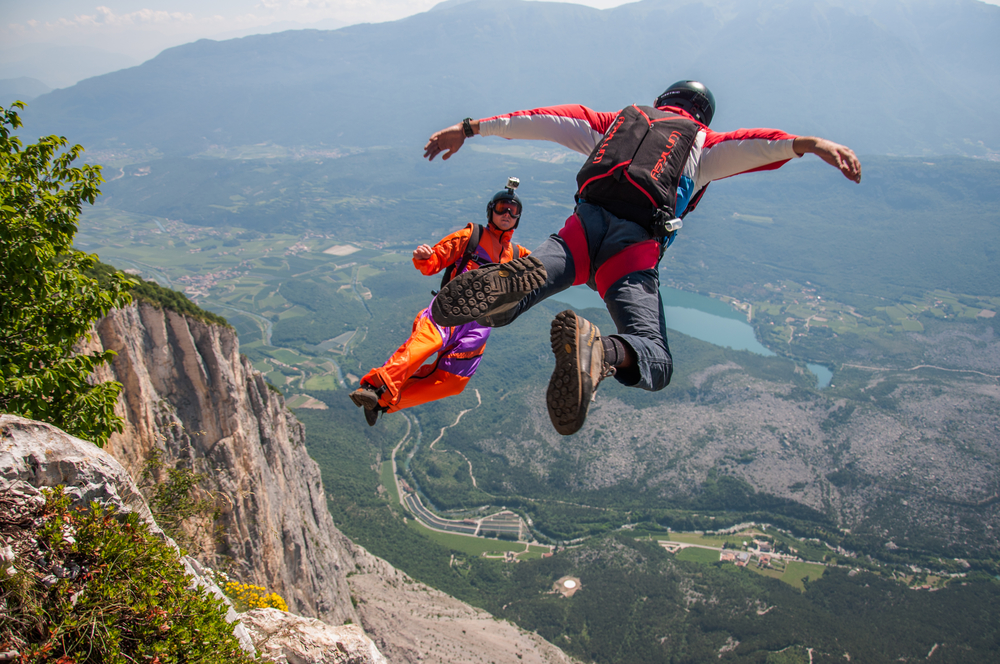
(36, 455)
(190, 396)
(285, 637)
(44, 456)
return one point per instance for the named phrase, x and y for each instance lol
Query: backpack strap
(690, 208)
(694, 201)
(456, 268)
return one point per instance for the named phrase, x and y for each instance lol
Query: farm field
(796, 573)
(476, 546)
(697, 555)
(257, 281)
(795, 313)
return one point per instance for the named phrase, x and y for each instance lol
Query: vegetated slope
(859, 73)
(906, 461)
(637, 603)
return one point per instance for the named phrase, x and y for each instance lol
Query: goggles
(508, 207)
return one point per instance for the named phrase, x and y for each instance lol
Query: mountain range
(875, 75)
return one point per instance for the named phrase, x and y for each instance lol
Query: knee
(663, 378)
(661, 373)
(453, 385)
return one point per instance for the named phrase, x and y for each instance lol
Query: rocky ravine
(190, 395)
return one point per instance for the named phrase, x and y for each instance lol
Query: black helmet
(505, 195)
(691, 96)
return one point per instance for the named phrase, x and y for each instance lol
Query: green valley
(889, 474)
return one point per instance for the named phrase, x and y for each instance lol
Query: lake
(698, 316)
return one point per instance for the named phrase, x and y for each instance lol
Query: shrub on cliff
(47, 303)
(158, 296)
(96, 587)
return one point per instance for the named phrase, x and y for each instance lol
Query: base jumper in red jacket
(615, 238)
(404, 380)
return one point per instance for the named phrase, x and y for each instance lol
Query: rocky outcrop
(285, 637)
(190, 395)
(43, 456)
(35, 455)
(413, 623)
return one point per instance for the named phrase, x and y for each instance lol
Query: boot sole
(485, 291)
(570, 390)
(364, 400)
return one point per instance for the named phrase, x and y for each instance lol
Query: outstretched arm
(832, 153)
(570, 125)
(448, 140)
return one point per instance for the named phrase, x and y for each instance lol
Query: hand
(450, 140)
(423, 252)
(840, 156)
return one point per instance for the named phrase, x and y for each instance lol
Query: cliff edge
(190, 397)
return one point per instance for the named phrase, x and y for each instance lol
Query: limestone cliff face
(192, 396)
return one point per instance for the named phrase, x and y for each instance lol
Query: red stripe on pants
(576, 239)
(636, 257)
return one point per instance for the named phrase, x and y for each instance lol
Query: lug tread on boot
(572, 385)
(477, 293)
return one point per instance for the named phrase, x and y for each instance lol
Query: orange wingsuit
(459, 348)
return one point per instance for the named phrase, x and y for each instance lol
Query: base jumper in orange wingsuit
(404, 380)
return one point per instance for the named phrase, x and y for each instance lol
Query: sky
(142, 28)
(60, 42)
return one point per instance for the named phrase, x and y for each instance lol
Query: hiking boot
(367, 398)
(576, 343)
(487, 291)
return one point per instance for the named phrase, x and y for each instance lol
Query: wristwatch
(467, 127)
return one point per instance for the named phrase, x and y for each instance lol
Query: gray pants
(594, 238)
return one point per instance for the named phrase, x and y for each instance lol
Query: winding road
(411, 500)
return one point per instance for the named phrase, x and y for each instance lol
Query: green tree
(47, 303)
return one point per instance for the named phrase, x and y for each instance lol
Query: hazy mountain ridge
(23, 88)
(769, 65)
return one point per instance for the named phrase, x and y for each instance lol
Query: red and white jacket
(714, 156)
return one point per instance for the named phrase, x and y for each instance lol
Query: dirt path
(479, 403)
(921, 366)
(457, 420)
(395, 475)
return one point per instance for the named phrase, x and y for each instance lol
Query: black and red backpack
(634, 171)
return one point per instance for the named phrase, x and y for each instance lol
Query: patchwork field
(244, 276)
